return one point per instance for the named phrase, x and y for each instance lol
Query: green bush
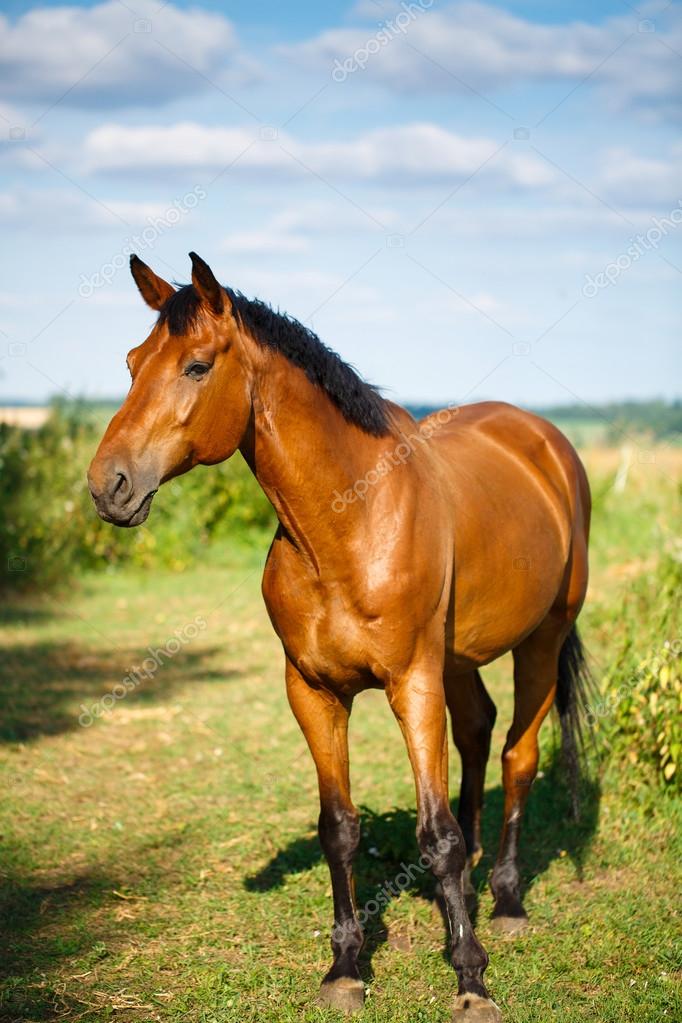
(50, 531)
(649, 718)
(640, 712)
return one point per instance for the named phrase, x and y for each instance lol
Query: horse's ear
(207, 287)
(154, 290)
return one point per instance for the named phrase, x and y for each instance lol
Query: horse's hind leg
(472, 714)
(536, 662)
(323, 718)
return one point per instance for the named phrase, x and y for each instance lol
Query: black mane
(358, 402)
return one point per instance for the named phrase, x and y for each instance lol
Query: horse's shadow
(388, 857)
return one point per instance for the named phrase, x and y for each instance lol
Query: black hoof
(345, 994)
(474, 1009)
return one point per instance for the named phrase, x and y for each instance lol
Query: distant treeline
(660, 418)
(610, 423)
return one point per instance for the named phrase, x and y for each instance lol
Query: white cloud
(489, 49)
(414, 154)
(257, 243)
(10, 117)
(629, 177)
(74, 212)
(295, 230)
(405, 156)
(186, 145)
(9, 208)
(109, 55)
(586, 218)
(291, 230)
(303, 293)
(320, 217)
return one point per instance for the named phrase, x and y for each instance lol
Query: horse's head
(189, 402)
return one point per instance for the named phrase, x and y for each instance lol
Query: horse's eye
(197, 370)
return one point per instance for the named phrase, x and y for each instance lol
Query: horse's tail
(574, 693)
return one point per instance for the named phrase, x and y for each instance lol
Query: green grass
(163, 864)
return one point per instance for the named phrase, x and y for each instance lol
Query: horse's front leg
(418, 702)
(323, 718)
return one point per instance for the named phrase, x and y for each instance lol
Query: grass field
(161, 863)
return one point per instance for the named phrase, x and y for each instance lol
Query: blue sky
(466, 200)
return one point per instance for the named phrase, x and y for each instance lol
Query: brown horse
(407, 556)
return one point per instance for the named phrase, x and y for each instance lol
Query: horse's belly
(499, 617)
(504, 593)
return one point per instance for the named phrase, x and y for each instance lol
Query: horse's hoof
(509, 925)
(345, 994)
(474, 1009)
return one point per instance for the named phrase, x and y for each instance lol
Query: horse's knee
(441, 842)
(520, 763)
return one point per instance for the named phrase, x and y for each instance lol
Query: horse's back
(489, 435)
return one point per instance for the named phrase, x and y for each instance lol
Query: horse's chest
(320, 637)
(323, 632)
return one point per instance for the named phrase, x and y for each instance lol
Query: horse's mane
(359, 402)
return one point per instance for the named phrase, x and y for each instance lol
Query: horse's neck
(305, 457)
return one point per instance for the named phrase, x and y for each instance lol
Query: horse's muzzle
(119, 498)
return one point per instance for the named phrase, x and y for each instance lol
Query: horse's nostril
(120, 491)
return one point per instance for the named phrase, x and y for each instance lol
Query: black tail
(575, 691)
